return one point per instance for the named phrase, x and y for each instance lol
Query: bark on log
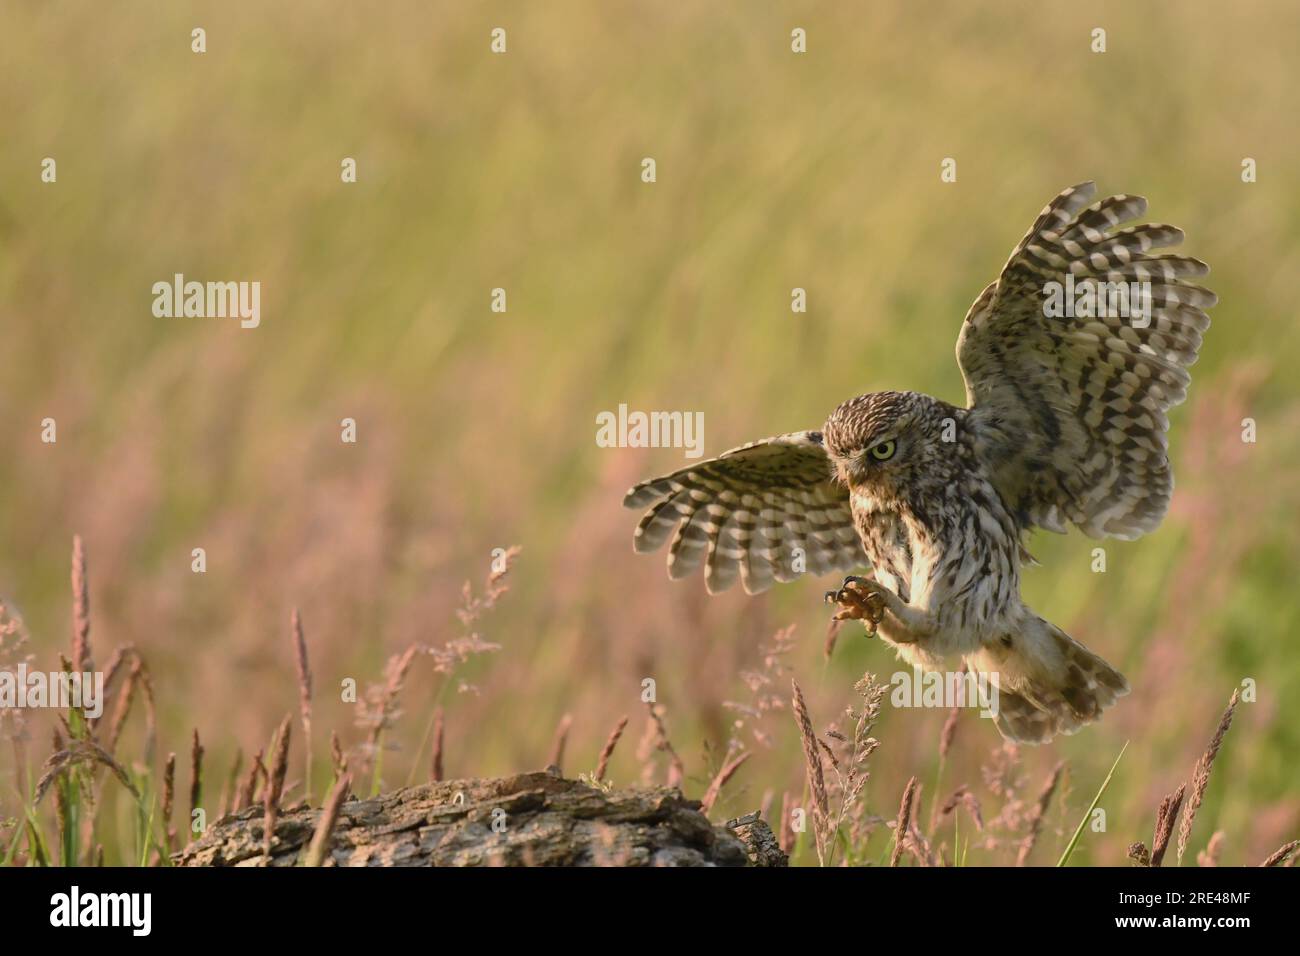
(530, 819)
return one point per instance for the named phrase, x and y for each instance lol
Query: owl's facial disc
(870, 439)
(873, 462)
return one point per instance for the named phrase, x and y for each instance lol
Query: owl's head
(888, 443)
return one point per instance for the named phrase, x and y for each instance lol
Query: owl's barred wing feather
(754, 512)
(1069, 414)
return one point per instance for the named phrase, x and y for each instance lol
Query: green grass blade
(39, 846)
(147, 841)
(1074, 840)
(7, 859)
(958, 859)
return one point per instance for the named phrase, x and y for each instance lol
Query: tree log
(530, 819)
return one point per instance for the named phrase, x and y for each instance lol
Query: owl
(1072, 359)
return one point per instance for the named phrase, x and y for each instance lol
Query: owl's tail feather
(1047, 682)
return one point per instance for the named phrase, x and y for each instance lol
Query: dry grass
(1283, 855)
(607, 751)
(813, 762)
(655, 739)
(835, 766)
(196, 776)
(903, 822)
(1038, 813)
(1165, 819)
(436, 757)
(168, 800)
(275, 783)
(303, 665)
(81, 659)
(325, 826)
(720, 780)
(248, 791)
(1201, 774)
(558, 744)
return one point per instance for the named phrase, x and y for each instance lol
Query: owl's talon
(838, 596)
(859, 600)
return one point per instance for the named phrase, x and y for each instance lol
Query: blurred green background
(477, 429)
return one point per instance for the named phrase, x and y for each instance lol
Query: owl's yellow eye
(883, 451)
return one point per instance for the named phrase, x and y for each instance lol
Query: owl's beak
(849, 473)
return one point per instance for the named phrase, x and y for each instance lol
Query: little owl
(1064, 423)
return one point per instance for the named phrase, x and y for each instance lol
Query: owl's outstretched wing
(1069, 414)
(765, 511)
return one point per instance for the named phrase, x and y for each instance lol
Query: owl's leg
(865, 599)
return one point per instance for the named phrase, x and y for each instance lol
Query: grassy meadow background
(477, 430)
